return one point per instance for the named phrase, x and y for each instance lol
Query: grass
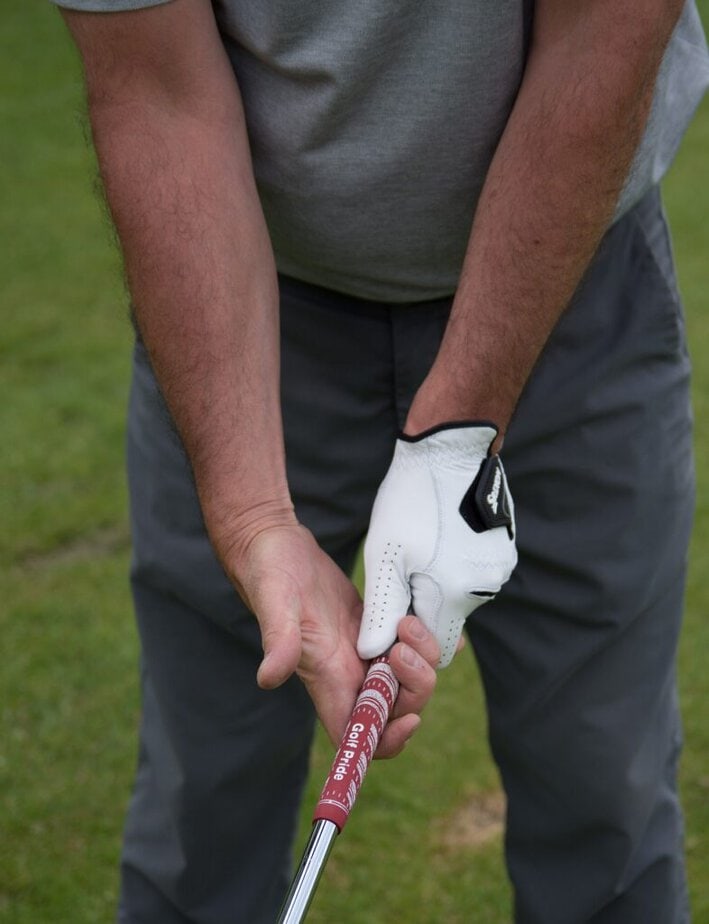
(68, 689)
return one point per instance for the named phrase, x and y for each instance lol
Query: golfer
(401, 268)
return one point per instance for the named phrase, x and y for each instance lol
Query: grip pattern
(359, 742)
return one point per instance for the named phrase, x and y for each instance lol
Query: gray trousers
(577, 654)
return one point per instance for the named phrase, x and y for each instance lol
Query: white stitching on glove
(441, 537)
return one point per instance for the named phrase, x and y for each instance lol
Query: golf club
(369, 717)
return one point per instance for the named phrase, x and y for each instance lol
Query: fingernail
(409, 656)
(417, 629)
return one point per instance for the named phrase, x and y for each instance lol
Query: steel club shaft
(311, 866)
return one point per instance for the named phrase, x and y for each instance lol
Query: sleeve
(107, 6)
(681, 83)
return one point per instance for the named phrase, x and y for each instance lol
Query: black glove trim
(485, 504)
(450, 425)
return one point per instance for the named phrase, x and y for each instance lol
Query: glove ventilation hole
(386, 574)
(451, 641)
(449, 645)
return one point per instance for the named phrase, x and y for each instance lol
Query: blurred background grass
(424, 843)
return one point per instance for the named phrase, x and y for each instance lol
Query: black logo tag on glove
(485, 503)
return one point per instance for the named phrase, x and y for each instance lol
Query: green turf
(68, 694)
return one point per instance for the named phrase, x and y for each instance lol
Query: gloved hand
(441, 536)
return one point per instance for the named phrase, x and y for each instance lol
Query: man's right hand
(309, 614)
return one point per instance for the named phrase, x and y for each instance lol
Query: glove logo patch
(485, 503)
(493, 496)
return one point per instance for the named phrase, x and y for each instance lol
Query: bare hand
(309, 613)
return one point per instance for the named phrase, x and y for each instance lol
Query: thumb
(282, 644)
(443, 614)
(386, 599)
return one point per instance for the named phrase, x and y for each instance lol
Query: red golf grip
(367, 722)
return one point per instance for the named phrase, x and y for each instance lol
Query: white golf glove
(441, 536)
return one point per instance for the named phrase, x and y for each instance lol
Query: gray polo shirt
(373, 123)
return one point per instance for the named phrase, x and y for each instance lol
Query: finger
(396, 736)
(281, 654)
(417, 680)
(279, 622)
(454, 620)
(386, 600)
(446, 616)
(414, 633)
(333, 685)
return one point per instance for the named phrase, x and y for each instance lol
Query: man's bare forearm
(176, 169)
(552, 189)
(204, 286)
